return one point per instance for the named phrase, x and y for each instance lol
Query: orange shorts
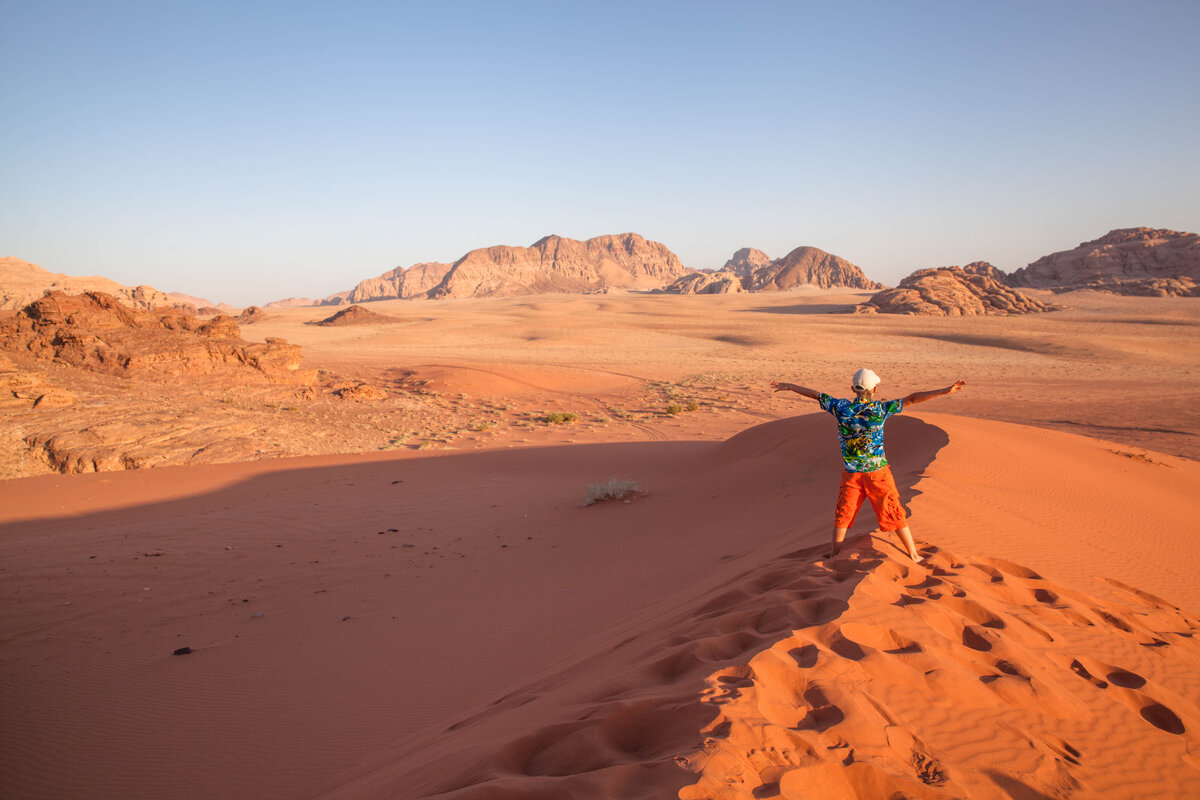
(880, 488)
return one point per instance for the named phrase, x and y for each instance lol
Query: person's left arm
(921, 397)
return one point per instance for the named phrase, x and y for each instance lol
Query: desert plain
(406, 595)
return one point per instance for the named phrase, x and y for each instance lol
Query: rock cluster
(96, 332)
(1141, 261)
(356, 315)
(954, 292)
(21, 283)
(752, 271)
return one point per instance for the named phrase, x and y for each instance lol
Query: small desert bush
(692, 406)
(611, 489)
(560, 417)
(674, 409)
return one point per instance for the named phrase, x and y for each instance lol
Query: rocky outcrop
(21, 283)
(745, 261)
(356, 315)
(1141, 261)
(96, 332)
(252, 314)
(751, 270)
(360, 392)
(808, 266)
(1181, 286)
(558, 265)
(415, 281)
(719, 282)
(954, 292)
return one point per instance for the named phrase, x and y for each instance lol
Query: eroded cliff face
(751, 270)
(955, 292)
(1141, 261)
(404, 283)
(95, 331)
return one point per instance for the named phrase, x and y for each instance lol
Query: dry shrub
(612, 489)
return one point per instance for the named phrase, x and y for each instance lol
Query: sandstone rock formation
(1144, 261)
(21, 283)
(96, 332)
(745, 261)
(338, 299)
(720, 282)
(751, 270)
(356, 315)
(359, 391)
(559, 265)
(251, 315)
(808, 266)
(954, 292)
(552, 264)
(19, 387)
(415, 281)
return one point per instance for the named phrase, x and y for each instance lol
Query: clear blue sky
(247, 151)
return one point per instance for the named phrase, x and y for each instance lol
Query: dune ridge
(349, 638)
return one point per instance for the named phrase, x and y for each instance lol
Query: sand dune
(458, 626)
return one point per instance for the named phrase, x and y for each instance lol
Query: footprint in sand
(1125, 685)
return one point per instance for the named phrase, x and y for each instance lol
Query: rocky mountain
(21, 283)
(954, 292)
(745, 261)
(558, 265)
(415, 281)
(1142, 261)
(551, 265)
(95, 331)
(809, 266)
(753, 271)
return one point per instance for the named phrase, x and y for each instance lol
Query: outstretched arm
(779, 386)
(921, 397)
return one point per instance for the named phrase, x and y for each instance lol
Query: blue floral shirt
(860, 430)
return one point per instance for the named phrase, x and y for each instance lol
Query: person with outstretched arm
(867, 475)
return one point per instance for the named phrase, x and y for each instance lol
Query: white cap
(865, 379)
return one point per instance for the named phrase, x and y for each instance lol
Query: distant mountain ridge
(751, 270)
(553, 264)
(22, 282)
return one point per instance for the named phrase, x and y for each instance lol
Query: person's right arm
(779, 386)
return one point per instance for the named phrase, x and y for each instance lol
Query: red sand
(504, 642)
